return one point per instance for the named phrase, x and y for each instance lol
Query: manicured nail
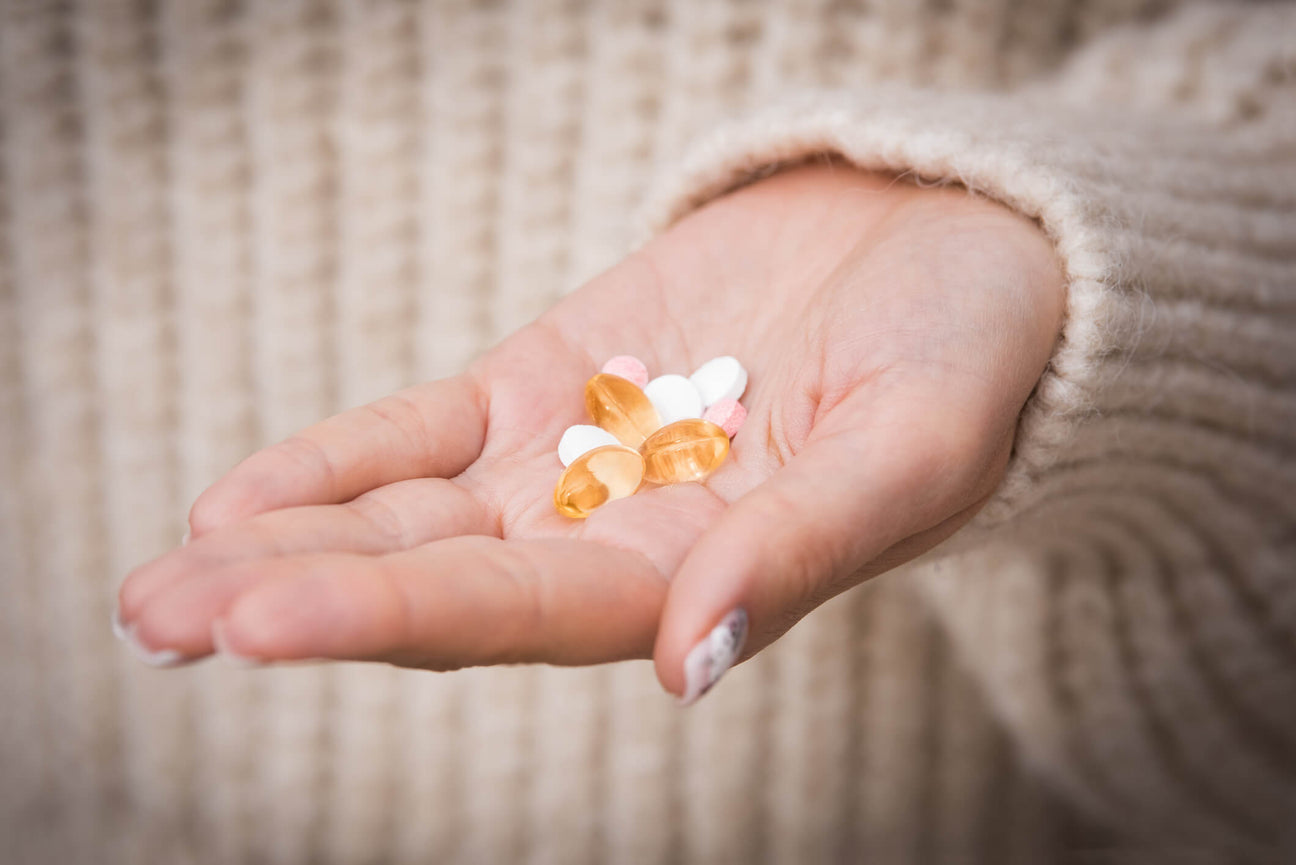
(714, 653)
(221, 643)
(152, 657)
(119, 630)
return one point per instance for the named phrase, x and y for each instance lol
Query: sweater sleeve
(1137, 630)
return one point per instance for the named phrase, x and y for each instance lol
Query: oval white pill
(720, 378)
(674, 397)
(582, 438)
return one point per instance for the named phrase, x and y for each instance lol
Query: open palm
(891, 334)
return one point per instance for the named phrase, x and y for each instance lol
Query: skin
(892, 334)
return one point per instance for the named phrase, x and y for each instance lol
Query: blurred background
(221, 221)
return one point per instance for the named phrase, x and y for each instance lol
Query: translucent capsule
(687, 450)
(620, 407)
(597, 477)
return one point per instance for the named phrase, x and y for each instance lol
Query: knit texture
(222, 221)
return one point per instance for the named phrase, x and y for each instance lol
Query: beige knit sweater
(221, 221)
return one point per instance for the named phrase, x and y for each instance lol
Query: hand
(892, 334)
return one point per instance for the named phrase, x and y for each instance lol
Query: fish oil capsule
(687, 450)
(621, 408)
(597, 477)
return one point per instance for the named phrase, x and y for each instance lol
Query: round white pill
(720, 378)
(582, 438)
(674, 397)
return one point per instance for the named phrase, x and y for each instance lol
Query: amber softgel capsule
(684, 451)
(596, 478)
(620, 407)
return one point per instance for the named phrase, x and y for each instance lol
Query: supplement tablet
(580, 439)
(720, 378)
(674, 397)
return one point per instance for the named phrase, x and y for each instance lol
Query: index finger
(430, 430)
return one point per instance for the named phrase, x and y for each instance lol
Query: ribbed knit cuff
(1143, 523)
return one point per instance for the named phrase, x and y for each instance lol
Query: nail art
(714, 653)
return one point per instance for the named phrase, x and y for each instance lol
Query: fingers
(459, 602)
(431, 430)
(170, 602)
(863, 486)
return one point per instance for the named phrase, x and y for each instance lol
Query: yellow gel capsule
(687, 450)
(596, 477)
(620, 407)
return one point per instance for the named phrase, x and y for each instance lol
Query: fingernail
(152, 657)
(119, 630)
(714, 653)
(221, 643)
(185, 538)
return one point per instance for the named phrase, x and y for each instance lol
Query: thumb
(868, 492)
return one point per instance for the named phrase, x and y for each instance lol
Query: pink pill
(628, 367)
(728, 414)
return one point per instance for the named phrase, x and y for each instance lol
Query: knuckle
(400, 413)
(301, 451)
(403, 620)
(524, 639)
(802, 560)
(383, 519)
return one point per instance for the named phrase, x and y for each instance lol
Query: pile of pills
(669, 430)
